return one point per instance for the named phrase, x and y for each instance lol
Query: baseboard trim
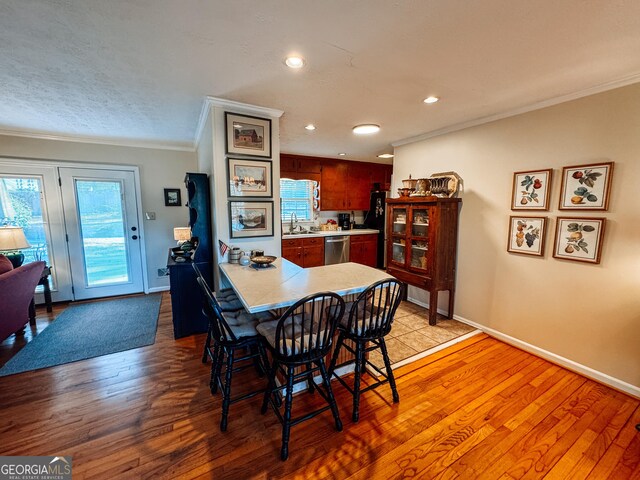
(550, 356)
(158, 289)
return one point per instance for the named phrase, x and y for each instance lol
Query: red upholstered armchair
(16, 291)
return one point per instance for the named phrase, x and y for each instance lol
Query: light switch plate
(150, 215)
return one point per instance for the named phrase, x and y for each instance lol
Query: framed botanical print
(248, 135)
(251, 219)
(249, 178)
(579, 239)
(526, 235)
(586, 187)
(531, 190)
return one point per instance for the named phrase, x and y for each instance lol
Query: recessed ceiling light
(385, 155)
(311, 126)
(366, 129)
(294, 61)
(431, 100)
(342, 154)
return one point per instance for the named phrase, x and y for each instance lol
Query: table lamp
(12, 240)
(182, 235)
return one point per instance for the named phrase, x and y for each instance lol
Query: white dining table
(284, 282)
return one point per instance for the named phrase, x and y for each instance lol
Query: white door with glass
(103, 237)
(29, 199)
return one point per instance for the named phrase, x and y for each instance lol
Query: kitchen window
(297, 196)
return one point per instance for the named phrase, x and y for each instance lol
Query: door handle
(134, 237)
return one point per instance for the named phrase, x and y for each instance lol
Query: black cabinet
(186, 303)
(199, 204)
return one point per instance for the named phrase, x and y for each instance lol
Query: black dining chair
(231, 335)
(302, 337)
(234, 311)
(366, 323)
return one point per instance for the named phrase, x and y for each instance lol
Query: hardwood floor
(479, 409)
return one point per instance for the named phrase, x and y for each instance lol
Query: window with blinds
(296, 196)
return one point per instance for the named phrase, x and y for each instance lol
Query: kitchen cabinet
(422, 237)
(344, 185)
(381, 174)
(363, 249)
(358, 185)
(299, 167)
(333, 186)
(304, 252)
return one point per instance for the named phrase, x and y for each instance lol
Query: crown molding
(239, 107)
(118, 142)
(623, 82)
(236, 107)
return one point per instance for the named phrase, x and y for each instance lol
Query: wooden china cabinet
(421, 245)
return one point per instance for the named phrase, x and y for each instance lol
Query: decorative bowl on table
(263, 261)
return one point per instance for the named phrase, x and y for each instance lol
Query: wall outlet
(163, 272)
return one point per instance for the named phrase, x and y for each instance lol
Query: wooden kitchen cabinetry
(364, 249)
(299, 167)
(421, 251)
(304, 252)
(344, 185)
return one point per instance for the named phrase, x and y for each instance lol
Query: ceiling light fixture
(294, 61)
(366, 129)
(430, 100)
(342, 154)
(311, 126)
(385, 155)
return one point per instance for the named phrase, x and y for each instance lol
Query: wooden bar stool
(368, 321)
(302, 337)
(229, 335)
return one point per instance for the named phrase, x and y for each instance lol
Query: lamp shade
(182, 234)
(12, 238)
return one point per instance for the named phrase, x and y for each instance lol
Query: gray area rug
(90, 330)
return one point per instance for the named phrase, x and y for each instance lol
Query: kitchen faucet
(291, 225)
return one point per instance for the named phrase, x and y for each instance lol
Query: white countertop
(285, 283)
(356, 231)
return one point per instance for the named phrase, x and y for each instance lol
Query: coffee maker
(344, 221)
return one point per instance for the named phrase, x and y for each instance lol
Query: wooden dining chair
(366, 323)
(229, 337)
(302, 337)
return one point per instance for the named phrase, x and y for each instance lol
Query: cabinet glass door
(419, 258)
(399, 235)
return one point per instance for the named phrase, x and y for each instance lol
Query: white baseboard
(158, 289)
(550, 356)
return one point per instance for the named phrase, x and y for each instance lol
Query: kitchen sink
(286, 234)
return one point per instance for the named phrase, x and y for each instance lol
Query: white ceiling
(139, 71)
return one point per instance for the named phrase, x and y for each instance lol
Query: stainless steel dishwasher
(336, 249)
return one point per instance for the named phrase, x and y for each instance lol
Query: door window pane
(102, 228)
(22, 205)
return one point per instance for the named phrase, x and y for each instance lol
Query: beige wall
(158, 169)
(589, 314)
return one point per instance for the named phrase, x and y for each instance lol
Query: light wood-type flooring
(479, 409)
